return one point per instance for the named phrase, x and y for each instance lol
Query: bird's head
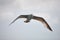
(26, 21)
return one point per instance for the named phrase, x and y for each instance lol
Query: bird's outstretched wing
(21, 16)
(43, 21)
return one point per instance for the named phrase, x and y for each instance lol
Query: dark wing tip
(14, 20)
(50, 29)
(21, 16)
(47, 25)
(43, 21)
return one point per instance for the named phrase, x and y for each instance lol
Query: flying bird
(29, 17)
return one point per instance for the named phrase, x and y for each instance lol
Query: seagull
(29, 17)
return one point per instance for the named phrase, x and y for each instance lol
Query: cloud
(5, 2)
(38, 4)
(10, 9)
(45, 9)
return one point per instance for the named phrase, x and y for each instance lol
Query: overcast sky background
(34, 30)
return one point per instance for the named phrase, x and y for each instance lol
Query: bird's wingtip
(9, 24)
(51, 30)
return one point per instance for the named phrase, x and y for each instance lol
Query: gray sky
(34, 30)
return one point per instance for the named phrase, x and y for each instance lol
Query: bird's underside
(29, 17)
